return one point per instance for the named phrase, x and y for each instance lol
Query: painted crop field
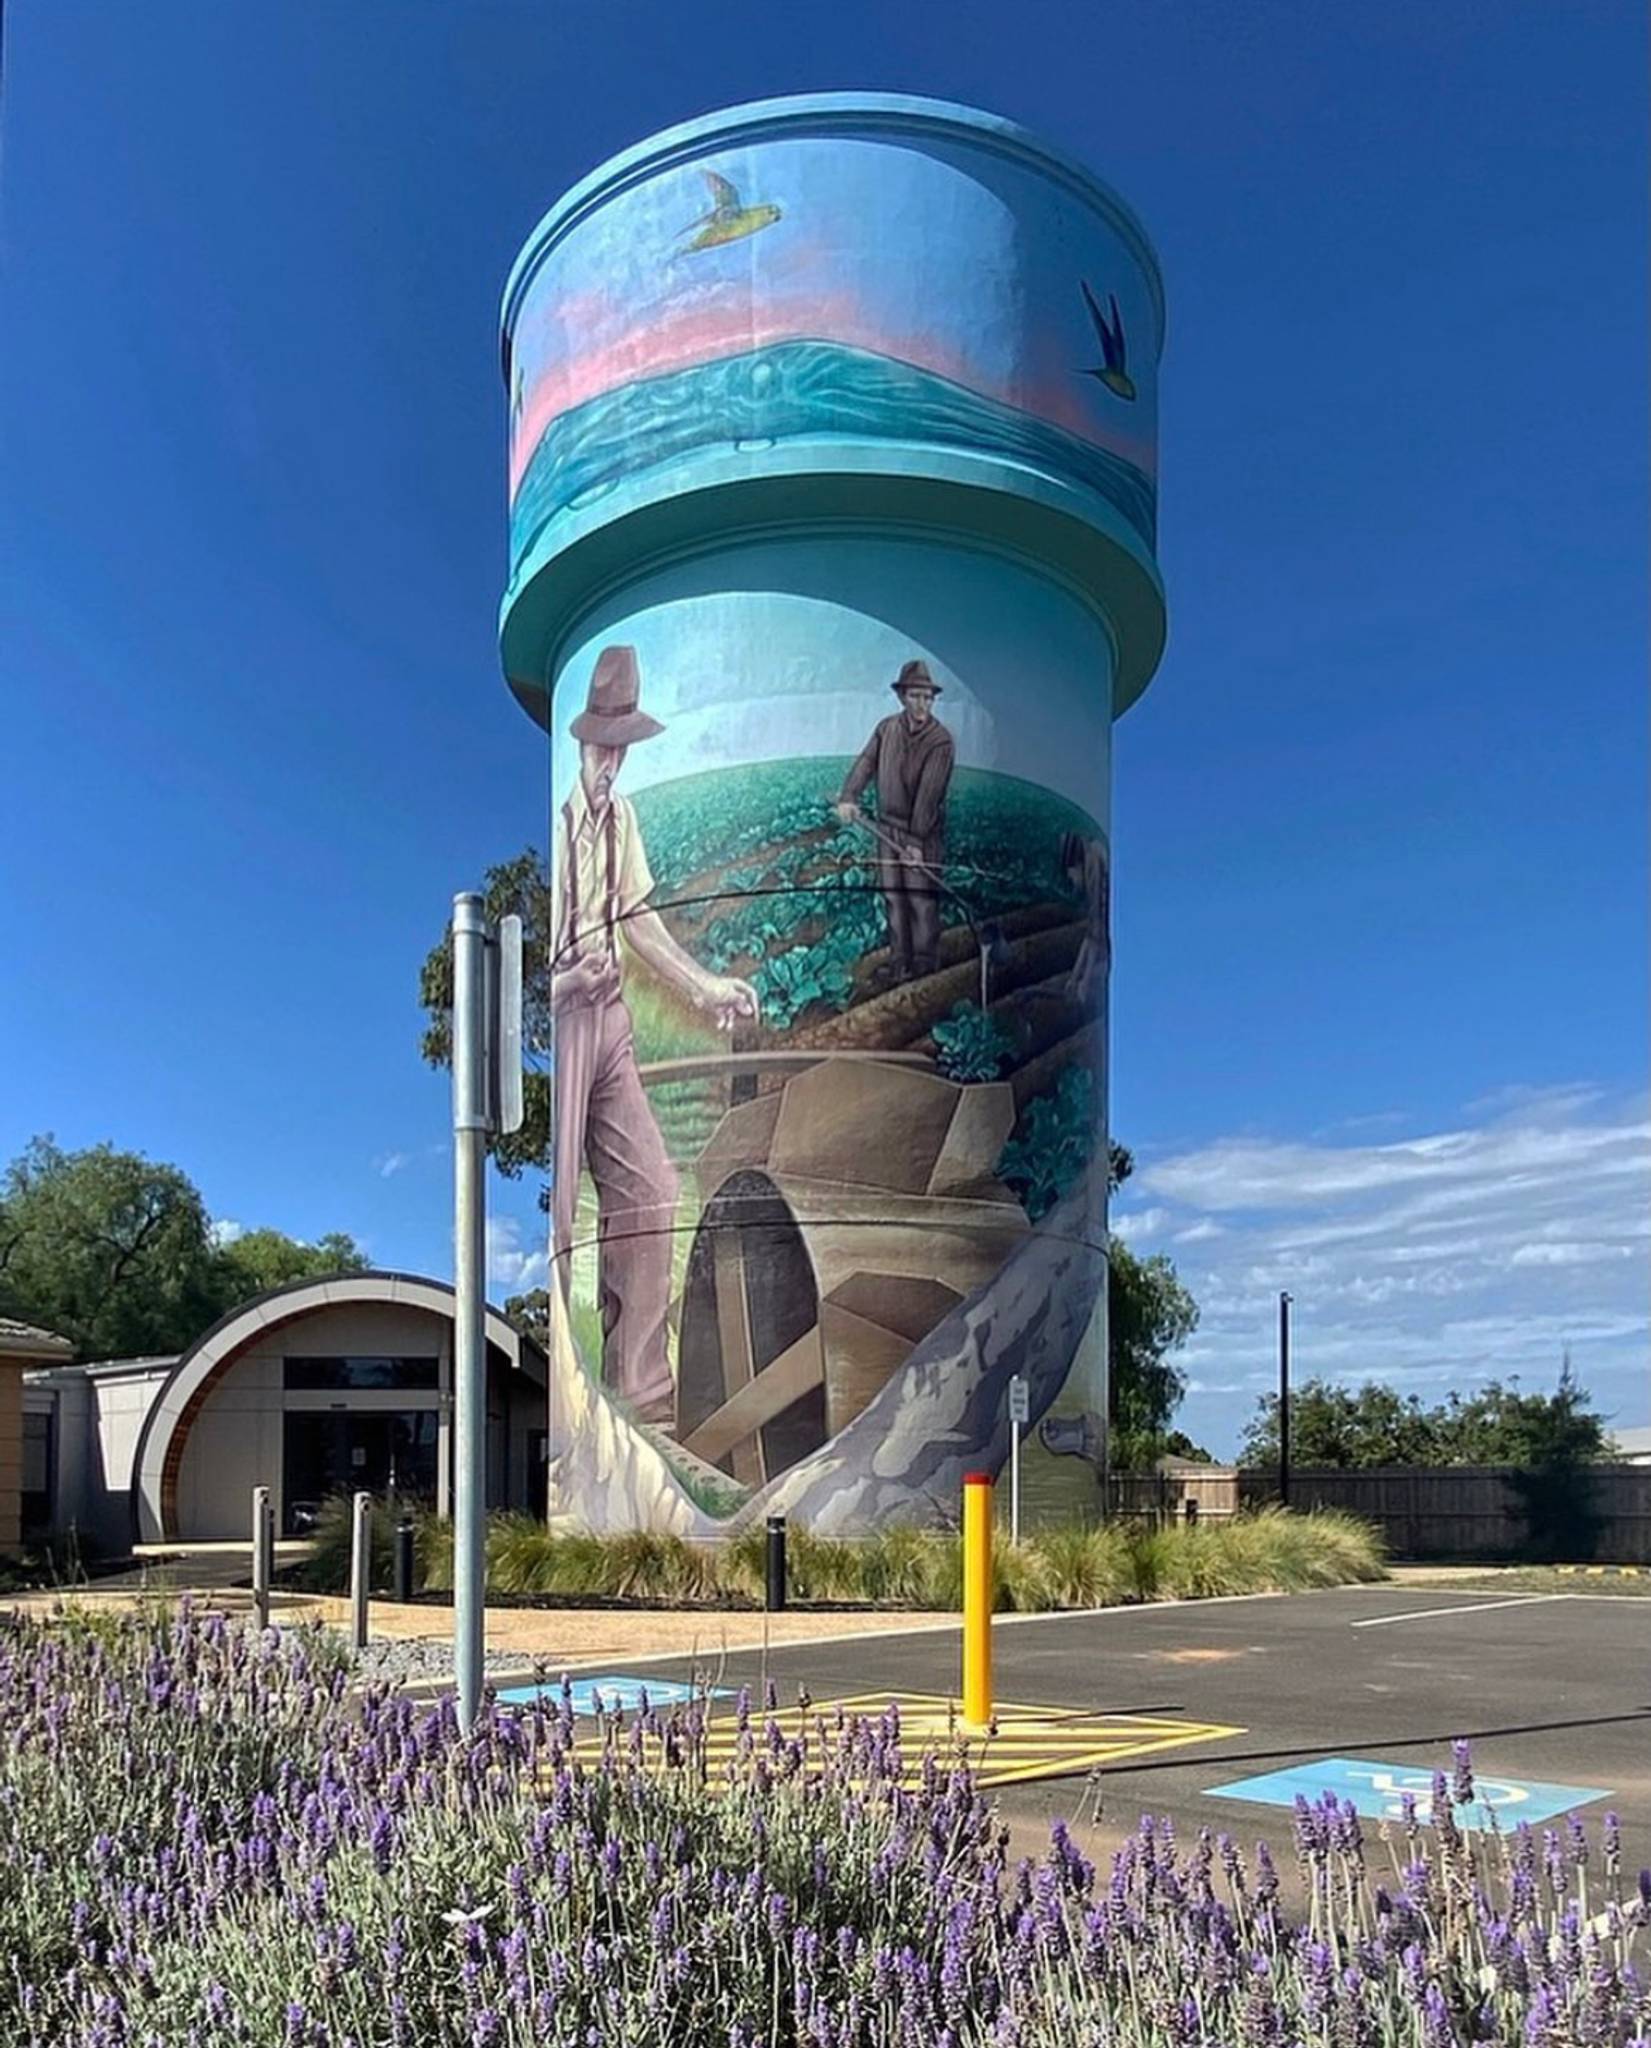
(759, 877)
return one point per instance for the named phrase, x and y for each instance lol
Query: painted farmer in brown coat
(603, 1119)
(909, 759)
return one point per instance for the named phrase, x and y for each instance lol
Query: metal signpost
(1284, 1400)
(487, 1098)
(1020, 1412)
(263, 1553)
(361, 1566)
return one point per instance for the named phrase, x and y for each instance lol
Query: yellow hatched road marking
(1030, 1742)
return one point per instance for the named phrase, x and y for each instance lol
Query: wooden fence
(1424, 1511)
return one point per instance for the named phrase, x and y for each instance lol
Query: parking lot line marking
(1030, 1742)
(1477, 1607)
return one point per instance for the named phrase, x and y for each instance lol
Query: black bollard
(1191, 1512)
(404, 1559)
(776, 1564)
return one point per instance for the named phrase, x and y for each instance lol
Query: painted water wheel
(751, 1395)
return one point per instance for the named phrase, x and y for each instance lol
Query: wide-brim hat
(914, 676)
(613, 714)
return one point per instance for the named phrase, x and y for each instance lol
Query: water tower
(832, 455)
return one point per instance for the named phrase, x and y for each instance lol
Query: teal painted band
(828, 114)
(1051, 528)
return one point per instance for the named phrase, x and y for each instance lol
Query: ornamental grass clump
(1060, 1565)
(206, 1843)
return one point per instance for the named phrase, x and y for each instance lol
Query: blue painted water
(789, 392)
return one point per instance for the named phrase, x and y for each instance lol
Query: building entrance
(380, 1451)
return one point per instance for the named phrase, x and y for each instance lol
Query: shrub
(209, 1843)
(1065, 1565)
(327, 1569)
(1080, 1566)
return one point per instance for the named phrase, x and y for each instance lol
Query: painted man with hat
(908, 760)
(603, 1119)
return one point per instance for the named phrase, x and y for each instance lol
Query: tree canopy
(260, 1259)
(1374, 1425)
(116, 1252)
(520, 886)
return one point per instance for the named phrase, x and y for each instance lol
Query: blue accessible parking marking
(616, 1695)
(1376, 1791)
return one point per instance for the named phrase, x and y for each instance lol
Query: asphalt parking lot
(1363, 1689)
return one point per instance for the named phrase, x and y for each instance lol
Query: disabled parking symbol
(1377, 1791)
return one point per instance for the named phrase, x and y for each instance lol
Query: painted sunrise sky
(623, 297)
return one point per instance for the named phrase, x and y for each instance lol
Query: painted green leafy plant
(787, 983)
(1053, 1142)
(972, 1045)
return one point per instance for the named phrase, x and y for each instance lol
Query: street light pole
(469, 1329)
(1284, 1400)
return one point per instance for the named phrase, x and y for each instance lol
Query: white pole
(361, 1558)
(1014, 1483)
(262, 1548)
(469, 1332)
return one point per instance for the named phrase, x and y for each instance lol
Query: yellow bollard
(977, 1599)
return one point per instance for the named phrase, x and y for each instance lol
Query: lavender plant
(204, 1841)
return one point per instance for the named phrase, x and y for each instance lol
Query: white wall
(234, 1443)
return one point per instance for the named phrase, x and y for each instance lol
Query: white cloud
(1569, 1254)
(1439, 1260)
(224, 1230)
(1138, 1223)
(511, 1264)
(390, 1163)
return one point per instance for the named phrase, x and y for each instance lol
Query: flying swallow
(1112, 374)
(730, 219)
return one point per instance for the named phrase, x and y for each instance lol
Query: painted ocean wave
(793, 391)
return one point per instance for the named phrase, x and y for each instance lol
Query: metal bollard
(775, 1590)
(263, 1554)
(404, 1559)
(361, 1551)
(977, 1599)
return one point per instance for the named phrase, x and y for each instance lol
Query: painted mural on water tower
(830, 859)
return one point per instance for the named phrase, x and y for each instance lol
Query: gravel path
(421, 1660)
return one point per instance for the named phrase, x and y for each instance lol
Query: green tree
(110, 1249)
(1331, 1425)
(1374, 1425)
(530, 1314)
(258, 1260)
(1149, 1315)
(1553, 1441)
(520, 886)
(116, 1252)
(1501, 1426)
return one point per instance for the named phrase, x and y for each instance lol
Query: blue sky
(1379, 1003)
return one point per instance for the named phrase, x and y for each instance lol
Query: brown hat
(612, 717)
(914, 676)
